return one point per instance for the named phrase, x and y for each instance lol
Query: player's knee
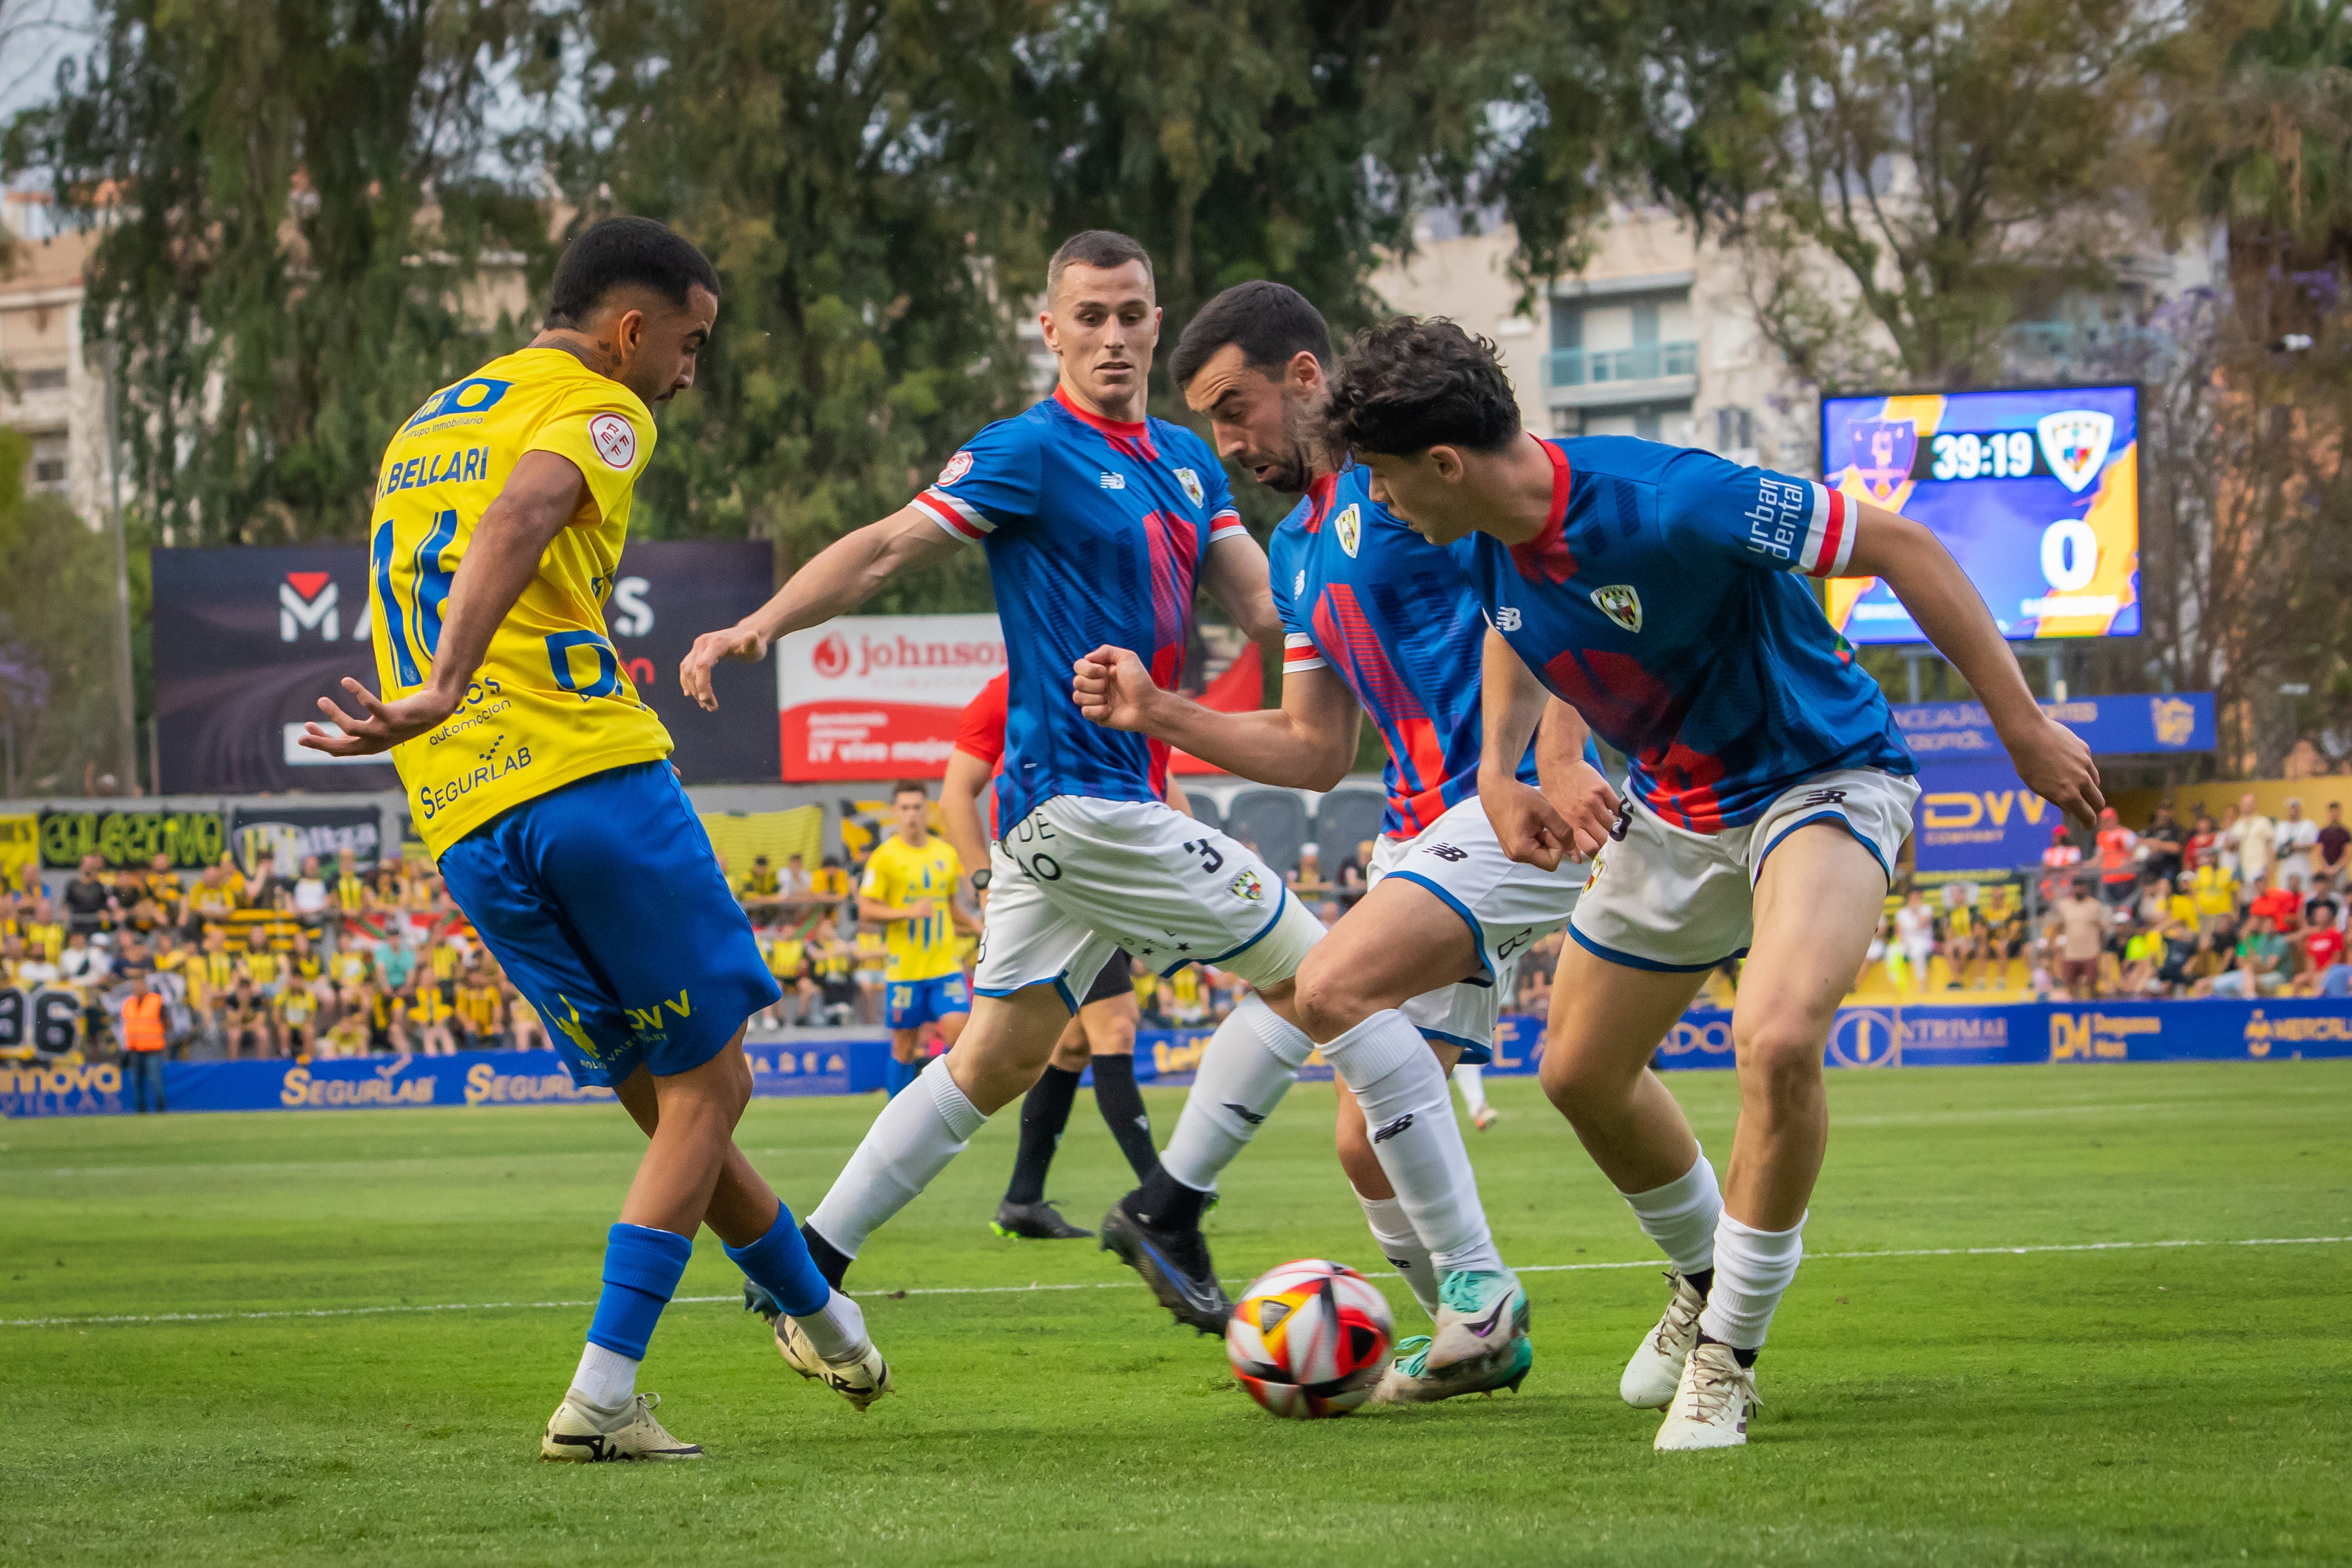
(1071, 1055)
(1113, 1037)
(1327, 1002)
(1574, 1080)
(1779, 1058)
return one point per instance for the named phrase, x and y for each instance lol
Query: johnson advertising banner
(248, 640)
(877, 696)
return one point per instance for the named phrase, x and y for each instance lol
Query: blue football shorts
(605, 903)
(914, 1003)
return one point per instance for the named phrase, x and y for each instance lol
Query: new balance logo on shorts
(1246, 1114)
(1823, 797)
(1449, 852)
(1393, 1128)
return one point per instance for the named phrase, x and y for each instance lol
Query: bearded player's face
(1260, 419)
(1102, 324)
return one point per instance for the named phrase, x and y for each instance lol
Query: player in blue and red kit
(1657, 591)
(1378, 622)
(1099, 523)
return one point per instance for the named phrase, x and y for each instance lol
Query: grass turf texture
(2125, 1406)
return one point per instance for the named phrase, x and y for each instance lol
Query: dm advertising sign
(2035, 493)
(248, 640)
(875, 697)
(2163, 721)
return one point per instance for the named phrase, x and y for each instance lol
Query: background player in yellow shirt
(909, 892)
(539, 782)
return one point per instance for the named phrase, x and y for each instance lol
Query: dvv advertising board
(2036, 493)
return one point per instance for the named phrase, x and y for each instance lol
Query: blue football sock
(642, 1267)
(779, 1262)
(901, 1074)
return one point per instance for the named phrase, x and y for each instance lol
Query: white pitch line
(1036, 1288)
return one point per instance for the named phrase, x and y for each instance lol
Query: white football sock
(1473, 1080)
(1393, 1228)
(911, 1142)
(1681, 1215)
(1752, 1271)
(1246, 1067)
(837, 1329)
(606, 1378)
(1395, 1077)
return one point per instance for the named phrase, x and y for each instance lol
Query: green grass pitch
(2173, 1405)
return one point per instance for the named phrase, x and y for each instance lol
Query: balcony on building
(1621, 342)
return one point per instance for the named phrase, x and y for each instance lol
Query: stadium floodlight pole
(126, 696)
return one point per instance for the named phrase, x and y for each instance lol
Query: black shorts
(1111, 983)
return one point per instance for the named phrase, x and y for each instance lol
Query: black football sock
(1163, 1203)
(1045, 1113)
(1701, 1280)
(1745, 1358)
(831, 1261)
(1121, 1104)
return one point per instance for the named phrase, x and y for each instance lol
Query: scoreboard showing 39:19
(2036, 493)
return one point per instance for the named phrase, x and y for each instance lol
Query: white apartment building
(60, 395)
(1653, 338)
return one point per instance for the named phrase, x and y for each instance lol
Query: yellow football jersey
(552, 701)
(900, 874)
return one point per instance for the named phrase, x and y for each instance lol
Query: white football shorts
(1078, 878)
(1507, 906)
(1668, 898)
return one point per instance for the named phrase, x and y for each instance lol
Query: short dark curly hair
(1412, 383)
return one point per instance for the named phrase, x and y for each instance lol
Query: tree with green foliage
(292, 206)
(56, 640)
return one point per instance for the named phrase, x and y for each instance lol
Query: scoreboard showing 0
(2035, 493)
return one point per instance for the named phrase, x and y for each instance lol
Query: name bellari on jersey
(1658, 600)
(1095, 530)
(1365, 597)
(552, 701)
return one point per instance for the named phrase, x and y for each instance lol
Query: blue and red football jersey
(1659, 600)
(1094, 532)
(1364, 595)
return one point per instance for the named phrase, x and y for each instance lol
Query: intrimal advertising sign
(248, 640)
(2035, 493)
(2163, 721)
(874, 697)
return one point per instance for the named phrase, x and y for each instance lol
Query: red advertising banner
(879, 697)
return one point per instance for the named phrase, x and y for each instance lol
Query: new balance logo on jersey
(1507, 619)
(1111, 481)
(1823, 797)
(1245, 1112)
(1393, 1128)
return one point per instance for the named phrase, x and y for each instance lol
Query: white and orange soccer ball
(1310, 1339)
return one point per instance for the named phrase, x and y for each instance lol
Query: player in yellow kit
(910, 891)
(541, 783)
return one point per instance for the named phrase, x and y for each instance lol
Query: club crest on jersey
(1191, 483)
(1350, 526)
(1621, 603)
(956, 467)
(1247, 886)
(614, 438)
(2075, 443)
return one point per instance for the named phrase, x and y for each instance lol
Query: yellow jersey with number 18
(552, 701)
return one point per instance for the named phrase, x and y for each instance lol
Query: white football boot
(1656, 1369)
(1712, 1403)
(861, 1377)
(580, 1433)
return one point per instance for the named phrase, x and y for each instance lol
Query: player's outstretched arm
(1308, 743)
(542, 493)
(2051, 759)
(1530, 828)
(959, 822)
(843, 575)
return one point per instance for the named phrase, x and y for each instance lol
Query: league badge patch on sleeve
(956, 467)
(614, 438)
(1621, 603)
(1247, 886)
(1191, 483)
